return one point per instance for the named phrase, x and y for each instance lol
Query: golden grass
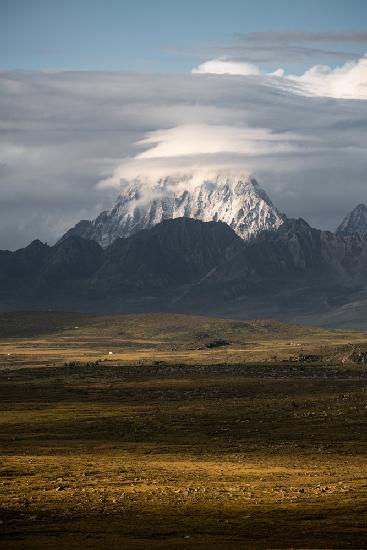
(212, 447)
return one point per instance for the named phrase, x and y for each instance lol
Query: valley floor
(162, 445)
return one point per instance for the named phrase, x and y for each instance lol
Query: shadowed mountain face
(17, 268)
(172, 253)
(37, 271)
(355, 222)
(188, 265)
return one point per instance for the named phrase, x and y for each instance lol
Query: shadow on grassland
(191, 526)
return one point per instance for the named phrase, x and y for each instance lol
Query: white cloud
(223, 66)
(277, 72)
(346, 82)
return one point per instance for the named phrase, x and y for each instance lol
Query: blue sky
(154, 35)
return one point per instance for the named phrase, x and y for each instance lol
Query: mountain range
(259, 265)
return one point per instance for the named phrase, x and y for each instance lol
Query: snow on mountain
(239, 202)
(355, 222)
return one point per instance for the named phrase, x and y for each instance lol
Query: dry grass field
(166, 443)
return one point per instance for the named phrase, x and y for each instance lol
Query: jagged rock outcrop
(355, 223)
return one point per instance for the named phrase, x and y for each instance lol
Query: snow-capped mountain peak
(238, 201)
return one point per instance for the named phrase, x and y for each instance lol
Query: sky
(95, 92)
(152, 35)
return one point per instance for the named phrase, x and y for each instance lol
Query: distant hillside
(157, 327)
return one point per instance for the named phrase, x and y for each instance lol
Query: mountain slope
(186, 265)
(355, 222)
(292, 268)
(17, 268)
(38, 274)
(173, 253)
(240, 203)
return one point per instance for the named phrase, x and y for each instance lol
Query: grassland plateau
(174, 431)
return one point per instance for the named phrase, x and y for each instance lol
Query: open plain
(173, 431)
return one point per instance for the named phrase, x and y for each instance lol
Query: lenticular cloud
(222, 66)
